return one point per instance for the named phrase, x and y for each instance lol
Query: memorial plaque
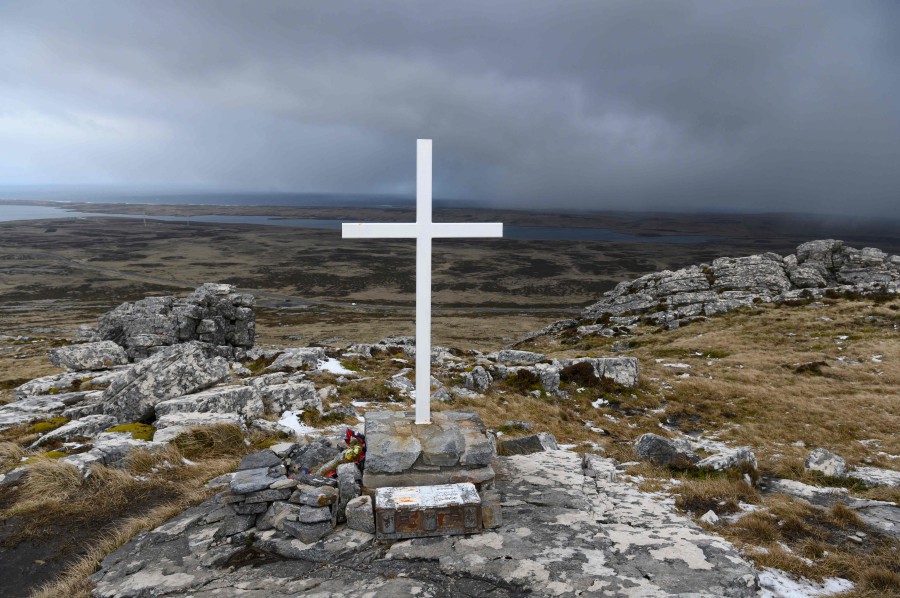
(416, 512)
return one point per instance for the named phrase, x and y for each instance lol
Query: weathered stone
(297, 359)
(876, 476)
(478, 379)
(235, 524)
(731, 458)
(173, 425)
(242, 400)
(513, 357)
(290, 396)
(349, 477)
(710, 518)
(361, 515)
(251, 480)
(263, 458)
(173, 372)
(250, 508)
(268, 495)
(826, 462)
(491, 511)
(110, 449)
(213, 314)
(526, 445)
(308, 532)
(89, 356)
(310, 514)
(313, 455)
(87, 426)
(274, 513)
(663, 451)
(314, 496)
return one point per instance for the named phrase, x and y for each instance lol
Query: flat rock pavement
(569, 529)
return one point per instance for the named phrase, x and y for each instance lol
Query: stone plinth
(454, 448)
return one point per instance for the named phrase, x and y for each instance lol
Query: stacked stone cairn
(273, 490)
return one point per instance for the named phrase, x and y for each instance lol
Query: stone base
(454, 448)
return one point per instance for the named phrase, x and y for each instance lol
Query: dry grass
(717, 493)
(11, 454)
(55, 498)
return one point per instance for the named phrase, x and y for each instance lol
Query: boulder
(264, 458)
(214, 314)
(664, 451)
(513, 357)
(478, 379)
(527, 445)
(361, 515)
(89, 356)
(303, 358)
(86, 427)
(732, 458)
(290, 396)
(825, 462)
(170, 373)
(242, 400)
(173, 425)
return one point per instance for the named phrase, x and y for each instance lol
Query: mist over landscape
(738, 106)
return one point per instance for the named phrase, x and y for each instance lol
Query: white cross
(423, 230)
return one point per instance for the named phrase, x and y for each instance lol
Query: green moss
(138, 431)
(351, 364)
(53, 390)
(48, 425)
(47, 455)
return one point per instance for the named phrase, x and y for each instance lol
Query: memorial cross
(423, 230)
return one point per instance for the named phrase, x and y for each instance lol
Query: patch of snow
(599, 402)
(360, 403)
(876, 358)
(566, 447)
(334, 366)
(289, 419)
(778, 584)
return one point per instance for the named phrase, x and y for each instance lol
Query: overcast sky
(759, 105)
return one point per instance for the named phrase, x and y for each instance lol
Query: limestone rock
(263, 458)
(314, 496)
(290, 396)
(349, 477)
(478, 379)
(575, 534)
(513, 357)
(173, 425)
(297, 359)
(242, 400)
(527, 445)
(170, 373)
(730, 458)
(361, 515)
(826, 462)
(90, 356)
(664, 451)
(87, 427)
(214, 314)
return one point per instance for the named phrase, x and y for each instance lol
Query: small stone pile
(216, 315)
(303, 505)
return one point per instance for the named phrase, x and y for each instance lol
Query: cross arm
(379, 230)
(447, 230)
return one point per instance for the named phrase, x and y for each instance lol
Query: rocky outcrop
(101, 355)
(171, 373)
(672, 298)
(214, 314)
(573, 531)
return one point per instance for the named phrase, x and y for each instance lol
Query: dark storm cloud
(674, 105)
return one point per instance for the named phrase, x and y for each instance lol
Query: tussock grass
(216, 440)
(11, 454)
(720, 494)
